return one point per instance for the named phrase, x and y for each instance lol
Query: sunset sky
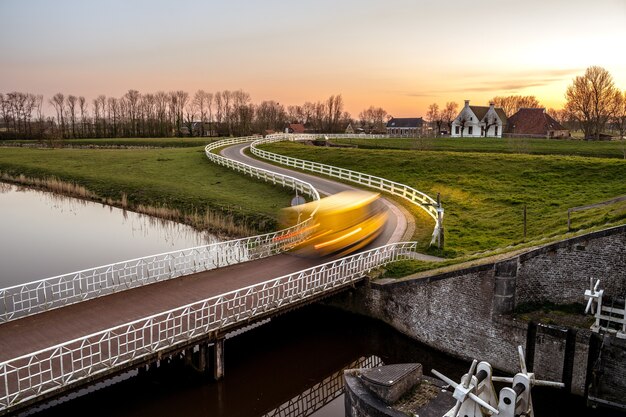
(398, 54)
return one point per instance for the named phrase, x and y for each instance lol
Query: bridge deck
(47, 329)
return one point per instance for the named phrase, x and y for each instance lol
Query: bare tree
(449, 113)
(84, 122)
(592, 100)
(620, 114)
(434, 116)
(270, 115)
(58, 102)
(511, 104)
(113, 111)
(372, 119)
(71, 111)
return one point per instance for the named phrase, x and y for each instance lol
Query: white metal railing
(609, 319)
(322, 393)
(428, 204)
(53, 368)
(46, 294)
(262, 174)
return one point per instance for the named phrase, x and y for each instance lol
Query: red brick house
(529, 122)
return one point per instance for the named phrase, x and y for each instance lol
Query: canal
(289, 366)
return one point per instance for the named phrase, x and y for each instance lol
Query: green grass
(179, 178)
(120, 142)
(483, 194)
(602, 149)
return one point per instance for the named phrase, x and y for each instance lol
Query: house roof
(481, 111)
(297, 127)
(532, 121)
(405, 122)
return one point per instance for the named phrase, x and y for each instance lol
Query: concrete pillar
(218, 368)
(504, 287)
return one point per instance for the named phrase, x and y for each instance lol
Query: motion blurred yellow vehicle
(342, 223)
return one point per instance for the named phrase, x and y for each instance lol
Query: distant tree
(270, 115)
(511, 104)
(58, 102)
(434, 117)
(620, 114)
(373, 119)
(449, 113)
(71, 111)
(592, 100)
(84, 122)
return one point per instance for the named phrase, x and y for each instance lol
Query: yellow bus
(342, 223)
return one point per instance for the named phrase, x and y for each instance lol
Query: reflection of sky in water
(43, 235)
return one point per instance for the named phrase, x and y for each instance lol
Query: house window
(456, 130)
(496, 128)
(470, 130)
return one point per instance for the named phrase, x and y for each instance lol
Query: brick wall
(464, 313)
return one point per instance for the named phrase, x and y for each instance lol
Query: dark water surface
(271, 370)
(43, 235)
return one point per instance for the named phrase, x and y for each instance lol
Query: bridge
(62, 332)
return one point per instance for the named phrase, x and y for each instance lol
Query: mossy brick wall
(560, 272)
(463, 312)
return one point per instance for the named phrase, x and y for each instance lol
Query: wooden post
(202, 358)
(569, 229)
(218, 368)
(524, 221)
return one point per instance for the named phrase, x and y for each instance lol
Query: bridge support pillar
(202, 357)
(218, 359)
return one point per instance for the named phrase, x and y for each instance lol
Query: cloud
(510, 82)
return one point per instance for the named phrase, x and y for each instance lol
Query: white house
(479, 121)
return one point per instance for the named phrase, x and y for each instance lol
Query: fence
(591, 206)
(426, 203)
(85, 358)
(46, 294)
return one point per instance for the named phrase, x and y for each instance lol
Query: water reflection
(45, 234)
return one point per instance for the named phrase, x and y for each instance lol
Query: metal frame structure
(420, 199)
(51, 369)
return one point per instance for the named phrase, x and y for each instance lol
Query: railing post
(440, 235)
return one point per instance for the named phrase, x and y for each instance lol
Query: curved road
(396, 227)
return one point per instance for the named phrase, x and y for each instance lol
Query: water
(285, 364)
(44, 235)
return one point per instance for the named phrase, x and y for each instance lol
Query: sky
(401, 55)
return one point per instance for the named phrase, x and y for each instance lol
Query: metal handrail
(46, 294)
(420, 199)
(49, 370)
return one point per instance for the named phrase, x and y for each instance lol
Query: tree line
(593, 105)
(164, 114)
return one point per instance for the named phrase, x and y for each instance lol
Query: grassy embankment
(570, 147)
(175, 183)
(484, 194)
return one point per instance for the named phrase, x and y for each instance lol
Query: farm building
(530, 122)
(479, 121)
(406, 126)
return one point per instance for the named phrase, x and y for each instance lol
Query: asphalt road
(396, 224)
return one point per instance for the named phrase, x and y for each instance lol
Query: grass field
(182, 179)
(484, 194)
(602, 149)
